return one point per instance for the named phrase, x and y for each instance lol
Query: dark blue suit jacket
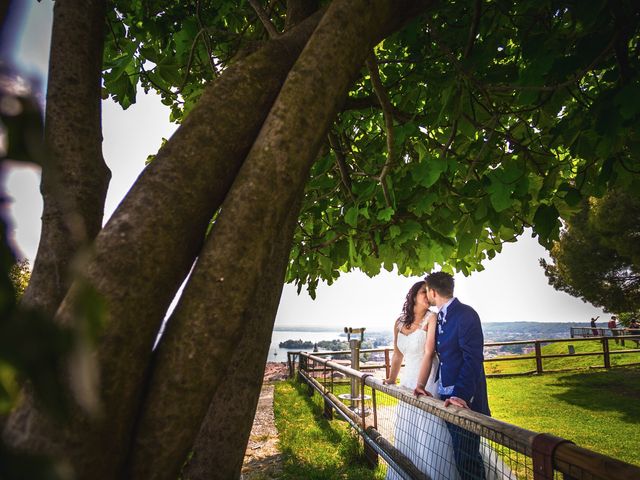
(459, 343)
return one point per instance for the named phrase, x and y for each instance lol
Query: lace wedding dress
(423, 438)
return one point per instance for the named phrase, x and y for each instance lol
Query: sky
(512, 287)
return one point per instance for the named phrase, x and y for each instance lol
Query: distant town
(493, 332)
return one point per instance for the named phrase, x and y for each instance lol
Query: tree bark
(74, 176)
(209, 320)
(219, 449)
(147, 248)
(298, 10)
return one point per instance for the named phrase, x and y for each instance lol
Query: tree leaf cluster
(505, 115)
(174, 48)
(597, 257)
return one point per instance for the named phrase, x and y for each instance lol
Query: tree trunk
(221, 443)
(144, 252)
(147, 248)
(209, 320)
(74, 176)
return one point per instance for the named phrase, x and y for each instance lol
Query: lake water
(277, 354)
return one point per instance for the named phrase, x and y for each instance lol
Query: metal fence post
(369, 452)
(387, 366)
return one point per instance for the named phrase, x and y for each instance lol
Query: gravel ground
(263, 459)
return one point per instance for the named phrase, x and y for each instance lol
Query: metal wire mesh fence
(418, 438)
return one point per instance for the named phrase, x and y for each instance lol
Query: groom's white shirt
(444, 390)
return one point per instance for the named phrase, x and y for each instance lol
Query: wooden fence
(539, 357)
(519, 453)
(536, 355)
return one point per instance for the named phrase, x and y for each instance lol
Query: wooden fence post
(538, 357)
(605, 351)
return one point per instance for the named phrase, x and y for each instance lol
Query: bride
(423, 438)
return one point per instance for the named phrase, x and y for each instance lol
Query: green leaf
(573, 197)
(428, 171)
(351, 217)
(394, 231)
(627, 101)
(500, 196)
(546, 221)
(170, 73)
(385, 214)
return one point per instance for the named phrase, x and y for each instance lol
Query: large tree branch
(264, 18)
(473, 29)
(222, 440)
(206, 40)
(298, 10)
(361, 103)
(74, 177)
(334, 141)
(387, 112)
(214, 309)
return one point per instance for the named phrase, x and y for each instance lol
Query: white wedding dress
(424, 438)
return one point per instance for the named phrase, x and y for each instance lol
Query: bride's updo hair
(407, 316)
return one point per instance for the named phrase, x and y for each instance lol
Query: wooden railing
(618, 334)
(548, 455)
(606, 352)
(537, 355)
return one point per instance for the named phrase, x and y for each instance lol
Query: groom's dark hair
(441, 282)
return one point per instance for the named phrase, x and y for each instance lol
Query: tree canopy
(470, 124)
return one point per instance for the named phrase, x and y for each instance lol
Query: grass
(598, 410)
(582, 362)
(595, 408)
(313, 447)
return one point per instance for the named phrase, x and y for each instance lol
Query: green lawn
(598, 410)
(315, 448)
(581, 362)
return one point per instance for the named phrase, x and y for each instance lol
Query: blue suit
(459, 343)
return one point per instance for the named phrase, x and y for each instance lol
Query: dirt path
(263, 459)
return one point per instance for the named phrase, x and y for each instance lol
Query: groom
(461, 380)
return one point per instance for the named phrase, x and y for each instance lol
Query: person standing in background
(594, 330)
(613, 325)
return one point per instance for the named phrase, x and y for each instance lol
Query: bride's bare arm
(427, 358)
(396, 359)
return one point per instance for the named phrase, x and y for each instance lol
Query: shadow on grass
(328, 431)
(615, 391)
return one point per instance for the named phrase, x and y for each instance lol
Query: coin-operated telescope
(354, 345)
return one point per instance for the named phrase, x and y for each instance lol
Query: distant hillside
(507, 331)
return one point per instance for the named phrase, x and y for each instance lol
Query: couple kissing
(443, 356)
